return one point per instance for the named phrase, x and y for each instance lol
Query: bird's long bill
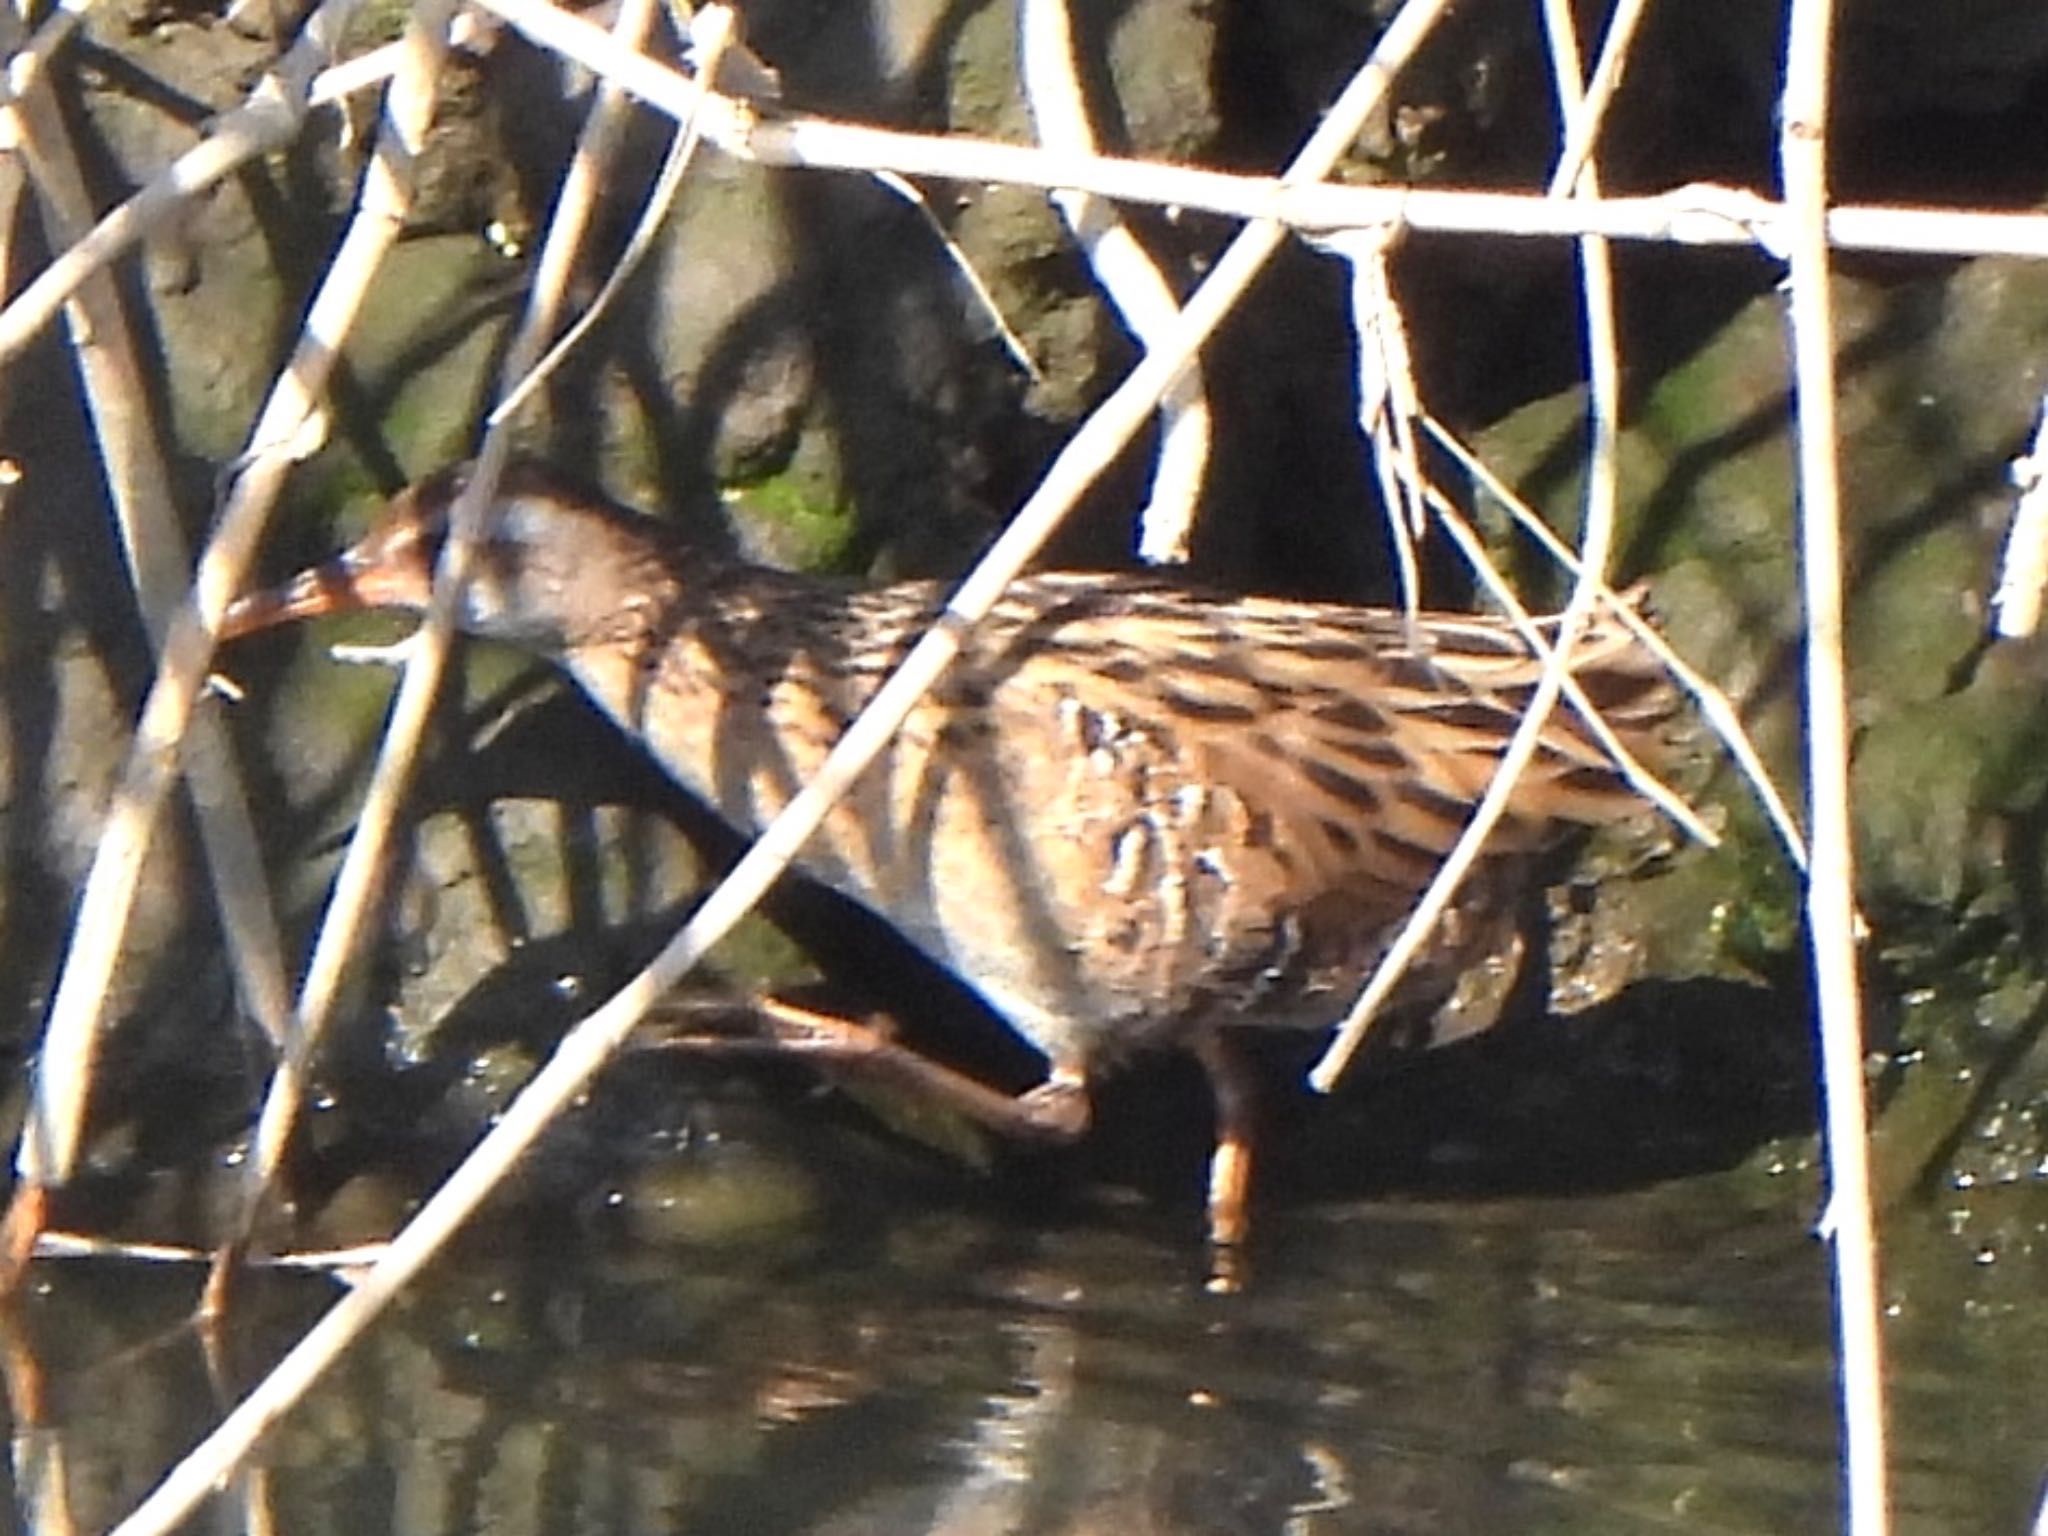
(381, 572)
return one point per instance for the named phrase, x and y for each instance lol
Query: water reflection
(1648, 1361)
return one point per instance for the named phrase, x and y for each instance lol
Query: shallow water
(1648, 1361)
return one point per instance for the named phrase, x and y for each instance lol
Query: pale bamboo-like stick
(2023, 567)
(594, 151)
(25, 64)
(1128, 274)
(977, 285)
(270, 117)
(56, 1244)
(1697, 214)
(1584, 120)
(138, 482)
(51, 1134)
(1602, 500)
(1716, 707)
(1830, 891)
(1701, 213)
(1637, 774)
(360, 879)
(138, 486)
(381, 212)
(338, 82)
(1603, 341)
(1388, 402)
(593, 1041)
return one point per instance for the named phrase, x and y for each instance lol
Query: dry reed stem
(43, 1475)
(270, 117)
(338, 82)
(13, 187)
(1127, 273)
(1603, 343)
(592, 1041)
(1697, 214)
(50, 1140)
(1633, 771)
(1388, 400)
(59, 1244)
(1588, 112)
(381, 212)
(1700, 213)
(138, 483)
(1602, 501)
(53, 1128)
(363, 866)
(1716, 708)
(594, 152)
(977, 285)
(1376, 304)
(1830, 899)
(359, 881)
(42, 1480)
(25, 64)
(2023, 567)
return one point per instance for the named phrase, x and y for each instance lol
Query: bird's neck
(698, 667)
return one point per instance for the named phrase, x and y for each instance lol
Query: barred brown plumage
(1130, 815)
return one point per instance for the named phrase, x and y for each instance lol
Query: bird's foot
(1058, 1108)
(1055, 1111)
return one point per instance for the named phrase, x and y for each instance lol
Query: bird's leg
(1230, 1164)
(1056, 1111)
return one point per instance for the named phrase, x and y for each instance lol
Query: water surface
(1654, 1360)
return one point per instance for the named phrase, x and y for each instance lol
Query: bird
(1132, 816)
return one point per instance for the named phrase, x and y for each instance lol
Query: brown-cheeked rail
(1131, 815)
